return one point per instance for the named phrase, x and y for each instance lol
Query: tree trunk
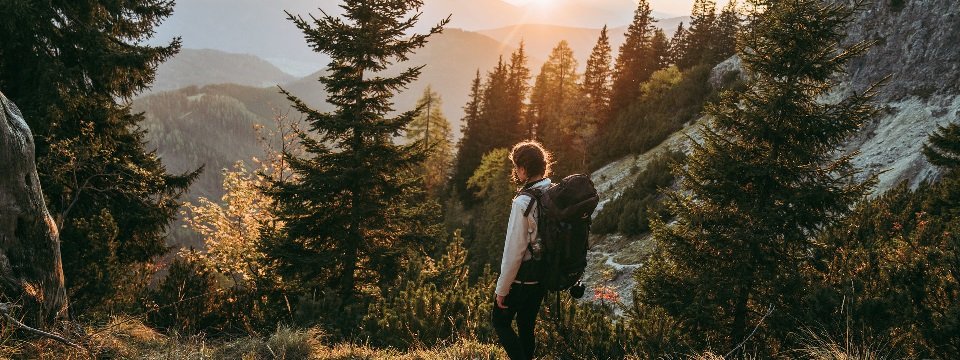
(739, 329)
(31, 271)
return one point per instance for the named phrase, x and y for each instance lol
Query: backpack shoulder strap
(534, 198)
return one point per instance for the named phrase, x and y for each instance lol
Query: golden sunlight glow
(534, 3)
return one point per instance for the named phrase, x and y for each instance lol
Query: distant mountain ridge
(198, 67)
(225, 25)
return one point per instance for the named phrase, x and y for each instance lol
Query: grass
(127, 338)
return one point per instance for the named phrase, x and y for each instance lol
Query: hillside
(198, 67)
(914, 46)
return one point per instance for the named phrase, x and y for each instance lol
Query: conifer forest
(332, 179)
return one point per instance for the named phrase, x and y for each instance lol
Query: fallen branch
(769, 311)
(5, 310)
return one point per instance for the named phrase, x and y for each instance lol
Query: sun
(534, 3)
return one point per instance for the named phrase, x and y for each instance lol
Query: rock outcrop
(31, 270)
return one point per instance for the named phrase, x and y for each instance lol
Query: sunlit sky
(676, 7)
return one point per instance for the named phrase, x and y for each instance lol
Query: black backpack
(563, 229)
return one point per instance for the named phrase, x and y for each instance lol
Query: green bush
(435, 303)
(892, 271)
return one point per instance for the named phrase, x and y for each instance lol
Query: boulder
(31, 271)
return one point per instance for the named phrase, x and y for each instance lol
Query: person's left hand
(500, 299)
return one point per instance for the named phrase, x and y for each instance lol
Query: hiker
(518, 291)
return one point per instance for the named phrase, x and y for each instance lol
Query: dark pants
(523, 303)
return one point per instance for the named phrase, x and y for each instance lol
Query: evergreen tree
(636, 60)
(661, 48)
(354, 212)
(72, 68)
(596, 78)
(595, 93)
(678, 44)
(468, 148)
(943, 149)
(763, 183)
(701, 34)
(491, 184)
(432, 129)
(518, 79)
(498, 123)
(725, 38)
(556, 92)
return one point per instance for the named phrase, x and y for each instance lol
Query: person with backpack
(519, 292)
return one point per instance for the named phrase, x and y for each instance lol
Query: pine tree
(468, 148)
(724, 42)
(595, 93)
(491, 184)
(636, 60)
(678, 44)
(596, 78)
(763, 183)
(661, 48)
(72, 68)
(499, 121)
(943, 149)
(557, 91)
(432, 129)
(701, 34)
(353, 213)
(518, 78)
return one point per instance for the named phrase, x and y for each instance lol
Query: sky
(676, 7)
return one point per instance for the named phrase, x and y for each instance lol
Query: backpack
(563, 229)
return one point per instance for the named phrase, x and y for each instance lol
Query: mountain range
(261, 28)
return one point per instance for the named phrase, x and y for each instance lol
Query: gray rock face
(917, 44)
(918, 47)
(30, 265)
(726, 72)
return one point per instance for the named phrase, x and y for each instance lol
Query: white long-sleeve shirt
(520, 231)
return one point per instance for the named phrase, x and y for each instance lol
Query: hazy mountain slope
(253, 27)
(451, 58)
(261, 27)
(193, 67)
(211, 126)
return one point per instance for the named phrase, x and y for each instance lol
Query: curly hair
(531, 156)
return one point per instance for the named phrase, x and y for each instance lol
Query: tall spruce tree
(700, 36)
(595, 93)
(596, 78)
(468, 148)
(724, 43)
(432, 129)
(72, 68)
(765, 180)
(556, 92)
(518, 87)
(678, 44)
(661, 48)
(498, 123)
(636, 60)
(352, 214)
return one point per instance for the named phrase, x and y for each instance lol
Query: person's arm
(514, 246)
